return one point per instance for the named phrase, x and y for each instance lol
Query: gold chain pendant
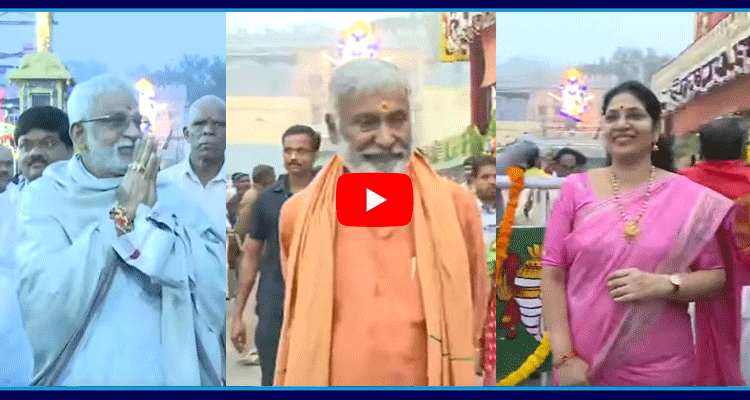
(631, 230)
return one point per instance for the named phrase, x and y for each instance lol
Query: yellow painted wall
(262, 120)
(445, 112)
(508, 131)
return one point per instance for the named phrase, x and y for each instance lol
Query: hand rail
(503, 182)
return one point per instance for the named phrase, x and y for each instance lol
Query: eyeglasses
(206, 122)
(119, 121)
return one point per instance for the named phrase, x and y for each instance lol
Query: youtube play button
(374, 199)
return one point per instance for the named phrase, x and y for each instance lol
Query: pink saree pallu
(685, 228)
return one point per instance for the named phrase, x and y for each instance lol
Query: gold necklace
(632, 230)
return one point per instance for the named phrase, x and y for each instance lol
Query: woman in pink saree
(627, 248)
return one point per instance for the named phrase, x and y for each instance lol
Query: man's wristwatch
(676, 282)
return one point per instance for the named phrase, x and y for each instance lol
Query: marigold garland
(536, 359)
(506, 227)
(531, 364)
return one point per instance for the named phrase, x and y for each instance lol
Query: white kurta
(16, 360)
(8, 216)
(146, 308)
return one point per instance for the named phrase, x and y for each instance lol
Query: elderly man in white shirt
(121, 276)
(202, 175)
(16, 361)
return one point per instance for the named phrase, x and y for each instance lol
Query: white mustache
(120, 146)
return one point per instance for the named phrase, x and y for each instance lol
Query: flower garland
(506, 228)
(531, 364)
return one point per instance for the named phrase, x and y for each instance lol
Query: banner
(459, 29)
(721, 69)
(519, 308)
(454, 46)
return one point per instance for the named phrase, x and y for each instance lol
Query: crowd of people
(114, 272)
(112, 269)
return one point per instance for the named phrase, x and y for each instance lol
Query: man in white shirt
(483, 172)
(121, 276)
(202, 175)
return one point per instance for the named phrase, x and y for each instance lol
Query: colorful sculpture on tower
(356, 41)
(573, 96)
(147, 105)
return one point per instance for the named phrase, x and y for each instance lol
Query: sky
(258, 22)
(123, 40)
(569, 38)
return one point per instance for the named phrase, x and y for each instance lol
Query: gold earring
(656, 147)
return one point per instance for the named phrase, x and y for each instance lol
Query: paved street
(238, 374)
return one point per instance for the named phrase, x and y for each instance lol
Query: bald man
(202, 175)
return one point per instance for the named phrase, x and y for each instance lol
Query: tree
(630, 63)
(200, 75)
(633, 64)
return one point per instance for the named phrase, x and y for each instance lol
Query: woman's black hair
(642, 93)
(580, 158)
(664, 157)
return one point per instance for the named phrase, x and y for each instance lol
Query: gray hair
(516, 155)
(83, 99)
(364, 76)
(207, 99)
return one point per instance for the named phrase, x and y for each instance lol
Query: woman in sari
(627, 247)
